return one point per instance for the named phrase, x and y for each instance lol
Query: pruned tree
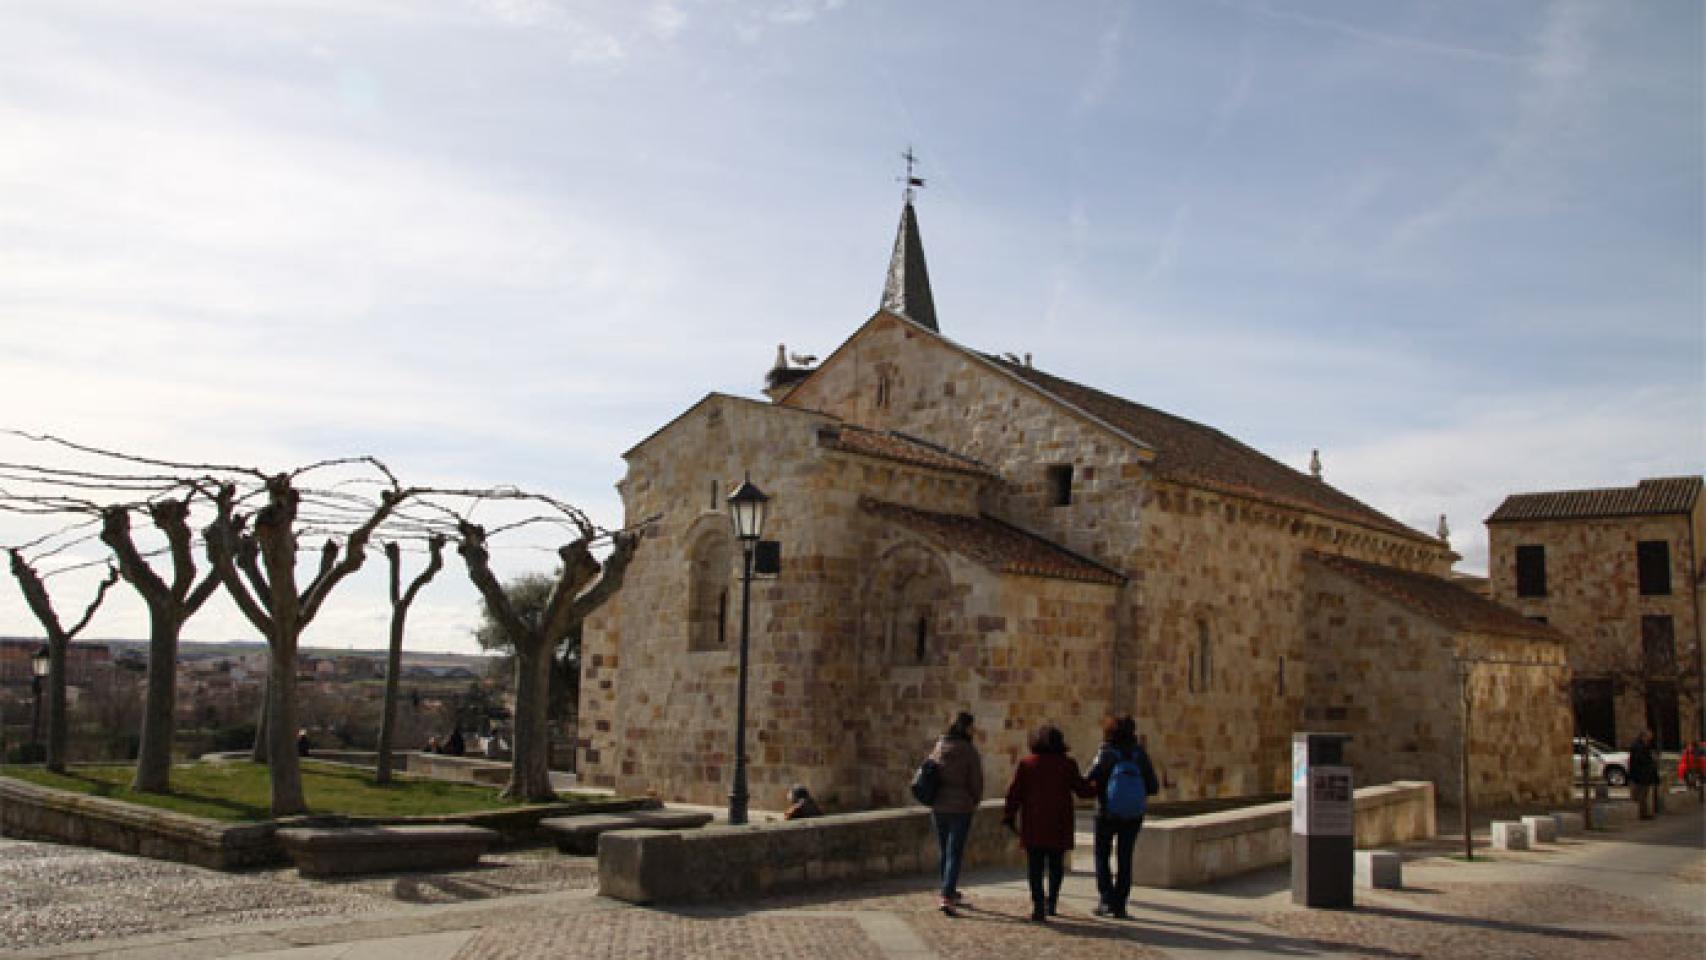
(401, 600)
(59, 640)
(257, 564)
(169, 605)
(574, 596)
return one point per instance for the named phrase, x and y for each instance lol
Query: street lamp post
(748, 507)
(40, 663)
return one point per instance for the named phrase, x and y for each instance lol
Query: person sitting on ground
(800, 804)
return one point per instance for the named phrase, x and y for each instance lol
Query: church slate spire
(907, 291)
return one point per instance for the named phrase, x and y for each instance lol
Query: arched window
(710, 570)
(907, 604)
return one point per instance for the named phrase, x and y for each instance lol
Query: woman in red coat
(1040, 798)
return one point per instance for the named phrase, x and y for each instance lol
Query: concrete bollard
(1541, 829)
(1569, 822)
(1379, 869)
(1509, 835)
(1608, 815)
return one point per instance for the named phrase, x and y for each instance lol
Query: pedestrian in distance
(1643, 774)
(959, 788)
(303, 746)
(1124, 780)
(455, 746)
(1039, 810)
(801, 806)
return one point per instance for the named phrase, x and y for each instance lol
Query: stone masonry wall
(1386, 675)
(827, 707)
(1194, 556)
(1594, 598)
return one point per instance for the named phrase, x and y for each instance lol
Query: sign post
(1323, 821)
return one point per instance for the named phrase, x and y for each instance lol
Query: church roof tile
(1441, 600)
(994, 544)
(1651, 497)
(1197, 455)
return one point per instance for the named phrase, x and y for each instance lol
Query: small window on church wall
(1282, 676)
(1205, 657)
(883, 389)
(714, 498)
(921, 642)
(1060, 484)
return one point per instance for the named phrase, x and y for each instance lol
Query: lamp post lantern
(40, 663)
(748, 508)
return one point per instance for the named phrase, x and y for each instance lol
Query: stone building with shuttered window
(964, 531)
(1617, 570)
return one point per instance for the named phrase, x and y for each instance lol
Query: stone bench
(1570, 822)
(579, 834)
(331, 851)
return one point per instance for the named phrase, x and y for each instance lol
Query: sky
(1455, 246)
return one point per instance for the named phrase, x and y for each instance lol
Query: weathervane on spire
(912, 182)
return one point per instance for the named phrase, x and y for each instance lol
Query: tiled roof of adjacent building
(890, 445)
(1191, 453)
(994, 544)
(1656, 496)
(1440, 599)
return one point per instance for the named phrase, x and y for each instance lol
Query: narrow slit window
(922, 640)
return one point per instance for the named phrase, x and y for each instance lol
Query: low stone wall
(717, 863)
(1191, 851)
(32, 812)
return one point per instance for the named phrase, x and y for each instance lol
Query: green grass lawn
(240, 790)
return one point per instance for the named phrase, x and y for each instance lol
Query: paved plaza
(1638, 891)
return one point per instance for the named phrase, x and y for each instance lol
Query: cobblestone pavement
(51, 893)
(1637, 891)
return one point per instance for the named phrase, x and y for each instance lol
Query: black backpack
(927, 781)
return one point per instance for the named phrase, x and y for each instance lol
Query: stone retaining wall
(727, 863)
(32, 812)
(724, 863)
(1191, 851)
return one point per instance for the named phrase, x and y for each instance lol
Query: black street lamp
(40, 663)
(748, 507)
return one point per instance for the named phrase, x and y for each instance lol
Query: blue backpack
(1128, 795)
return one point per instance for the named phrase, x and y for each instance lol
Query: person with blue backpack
(1125, 780)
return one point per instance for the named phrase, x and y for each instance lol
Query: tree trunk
(159, 718)
(258, 752)
(287, 799)
(530, 775)
(388, 716)
(56, 704)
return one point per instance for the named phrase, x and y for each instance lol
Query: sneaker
(959, 899)
(946, 906)
(1101, 909)
(1037, 914)
(1120, 914)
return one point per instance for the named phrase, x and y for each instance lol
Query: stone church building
(964, 531)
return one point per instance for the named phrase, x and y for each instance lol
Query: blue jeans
(1118, 837)
(951, 832)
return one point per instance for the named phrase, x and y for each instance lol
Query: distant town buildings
(1618, 571)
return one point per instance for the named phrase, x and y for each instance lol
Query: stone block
(320, 852)
(1379, 869)
(1541, 829)
(579, 834)
(641, 866)
(1569, 822)
(1509, 835)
